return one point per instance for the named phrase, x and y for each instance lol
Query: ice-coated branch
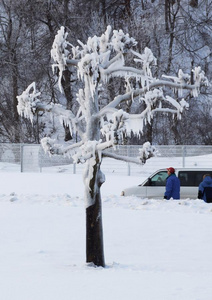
(86, 151)
(194, 89)
(146, 59)
(199, 79)
(117, 67)
(93, 56)
(183, 79)
(59, 53)
(28, 101)
(65, 116)
(143, 75)
(147, 151)
(128, 159)
(29, 104)
(154, 101)
(122, 42)
(52, 148)
(123, 71)
(114, 127)
(72, 62)
(113, 60)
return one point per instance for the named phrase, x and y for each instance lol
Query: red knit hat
(171, 170)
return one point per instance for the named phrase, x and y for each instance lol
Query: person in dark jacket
(205, 189)
(172, 185)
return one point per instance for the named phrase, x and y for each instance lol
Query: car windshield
(159, 179)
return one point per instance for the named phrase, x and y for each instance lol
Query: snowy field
(154, 249)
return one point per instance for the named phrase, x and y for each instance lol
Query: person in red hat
(172, 185)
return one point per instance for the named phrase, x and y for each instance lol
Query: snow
(154, 249)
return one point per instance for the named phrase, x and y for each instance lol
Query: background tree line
(178, 32)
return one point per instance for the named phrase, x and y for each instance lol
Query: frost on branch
(50, 147)
(59, 53)
(146, 152)
(89, 68)
(104, 40)
(121, 42)
(47, 144)
(93, 56)
(155, 101)
(150, 99)
(86, 151)
(181, 79)
(27, 102)
(114, 127)
(199, 78)
(146, 59)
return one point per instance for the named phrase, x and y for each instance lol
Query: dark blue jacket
(207, 182)
(172, 187)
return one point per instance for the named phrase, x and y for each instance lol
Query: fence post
(74, 168)
(128, 169)
(21, 151)
(128, 164)
(40, 159)
(184, 155)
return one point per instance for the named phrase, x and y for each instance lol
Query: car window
(159, 179)
(190, 178)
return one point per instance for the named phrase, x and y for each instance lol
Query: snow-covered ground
(154, 249)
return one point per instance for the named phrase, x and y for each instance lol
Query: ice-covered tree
(103, 126)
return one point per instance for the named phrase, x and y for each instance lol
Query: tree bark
(94, 228)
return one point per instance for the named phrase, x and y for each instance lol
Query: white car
(154, 186)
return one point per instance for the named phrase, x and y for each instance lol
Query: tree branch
(113, 60)
(122, 157)
(157, 83)
(49, 146)
(72, 62)
(127, 70)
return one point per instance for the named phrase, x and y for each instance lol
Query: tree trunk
(94, 234)
(68, 94)
(127, 7)
(15, 93)
(94, 228)
(149, 132)
(167, 7)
